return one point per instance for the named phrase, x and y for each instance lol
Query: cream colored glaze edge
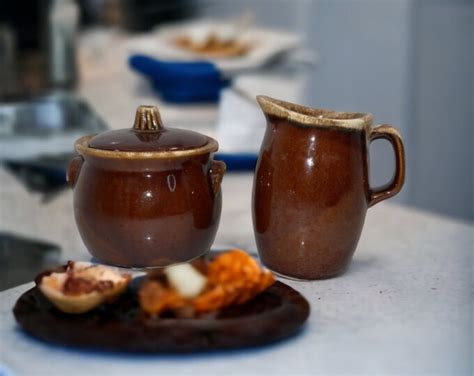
(82, 147)
(314, 116)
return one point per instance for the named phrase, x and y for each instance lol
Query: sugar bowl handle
(392, 135)
(216, 172)
(73, 170)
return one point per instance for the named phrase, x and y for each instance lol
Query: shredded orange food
(156, 298)
(233, 277)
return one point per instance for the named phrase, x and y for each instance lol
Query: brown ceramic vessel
(311, 189)
(147, 196)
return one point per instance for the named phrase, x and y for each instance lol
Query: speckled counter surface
(405, 306)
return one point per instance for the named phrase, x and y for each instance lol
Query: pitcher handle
(390, 189)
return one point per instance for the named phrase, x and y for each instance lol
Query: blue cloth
(181, 82)
(238, 161)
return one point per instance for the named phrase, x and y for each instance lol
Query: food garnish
(225, 40)
(231, 278)
(82, 286)
(186, 280)
(213, 46)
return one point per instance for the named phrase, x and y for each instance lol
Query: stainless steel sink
(37, 138)
(48, 115)
(45, 125)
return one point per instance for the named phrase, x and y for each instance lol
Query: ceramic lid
(148, 135)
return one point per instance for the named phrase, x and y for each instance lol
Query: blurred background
(69, 68)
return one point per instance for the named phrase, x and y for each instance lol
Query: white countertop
(405, 306)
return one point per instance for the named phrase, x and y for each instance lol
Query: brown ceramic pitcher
(311, 189)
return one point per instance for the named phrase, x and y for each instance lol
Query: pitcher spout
(308, 116)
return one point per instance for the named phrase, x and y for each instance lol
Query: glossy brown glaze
(148, 134)
(147, 209)
(311, 191)
(133, 140)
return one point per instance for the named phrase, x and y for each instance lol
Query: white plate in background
(267, 44)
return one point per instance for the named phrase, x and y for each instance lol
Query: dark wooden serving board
(275, 314)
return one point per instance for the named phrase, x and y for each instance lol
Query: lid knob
(147, 118)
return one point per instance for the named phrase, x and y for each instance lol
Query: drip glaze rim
(315, 117)
(83, 148)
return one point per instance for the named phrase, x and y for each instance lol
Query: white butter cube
(185, 279)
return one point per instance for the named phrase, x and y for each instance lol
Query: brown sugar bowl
(148, 196)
